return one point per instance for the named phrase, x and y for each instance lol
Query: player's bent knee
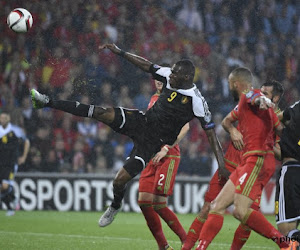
(106, 115)
(134, 166)
(238, 213)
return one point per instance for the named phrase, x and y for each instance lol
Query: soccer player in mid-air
(179, 102)
(156, 184)
(256, 122)
(274, 91)
(287, 204)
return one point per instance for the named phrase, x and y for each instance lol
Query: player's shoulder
(163, 71)
(250, 92)
(192, 92)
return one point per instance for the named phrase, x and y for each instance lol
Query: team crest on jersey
(184, 100)
(249, 94)
(4, 139)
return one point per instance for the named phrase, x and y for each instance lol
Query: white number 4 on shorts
(242, 179)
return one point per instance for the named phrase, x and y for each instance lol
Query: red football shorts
(159, 178)
(251, 177)
(215, 185)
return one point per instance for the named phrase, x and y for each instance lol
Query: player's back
(256, 125)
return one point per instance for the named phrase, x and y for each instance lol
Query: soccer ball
(20, 20)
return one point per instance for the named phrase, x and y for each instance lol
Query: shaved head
(239, 79)
(242, 74)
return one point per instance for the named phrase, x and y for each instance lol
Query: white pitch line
(115, 238)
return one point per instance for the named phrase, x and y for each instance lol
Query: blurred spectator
(190, 17)
(88, 129)
(118, 160)
(66, 132)
(51, 163)
(56, 71)
(142, 99)
(78, 158)
(194, 163)
(42, 140)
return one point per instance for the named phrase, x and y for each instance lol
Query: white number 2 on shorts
(162, 177)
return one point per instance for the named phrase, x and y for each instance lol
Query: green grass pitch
(43, 230)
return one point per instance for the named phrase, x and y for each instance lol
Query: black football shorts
(287, 199)
(133, 123)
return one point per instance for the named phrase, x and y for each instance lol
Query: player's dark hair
(277, 87)
(243, 73)
(187, 67)
(4, 111)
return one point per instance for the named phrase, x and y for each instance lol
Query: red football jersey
(256, 125)
(172, 151)
(232, 156)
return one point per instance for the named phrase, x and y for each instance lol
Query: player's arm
(255, 97)
(23, 157)
(138, 61)
(235, 135)
(165, 149)
(217, 149)
(277, 151)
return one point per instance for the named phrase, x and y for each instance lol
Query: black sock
(72, 107)
(7, 197)
(118, 196)
(11, 193)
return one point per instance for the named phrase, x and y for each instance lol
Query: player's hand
(224, 173)
(114, 48)
(237, 139)
(161, 154)
(265, 103)
(21, 160)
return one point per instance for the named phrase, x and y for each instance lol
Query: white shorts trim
(124, 118)
(140, 159)
(281, 213)
(288, 220)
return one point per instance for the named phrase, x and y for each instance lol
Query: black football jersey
(175, 107)
(290, 138)
(9, 144)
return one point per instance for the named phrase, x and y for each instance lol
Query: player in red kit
(256, 140)
(273, 90)
(156, 184)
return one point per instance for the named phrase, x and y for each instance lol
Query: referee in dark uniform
(287, 204)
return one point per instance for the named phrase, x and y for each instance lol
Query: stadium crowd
(60, 57)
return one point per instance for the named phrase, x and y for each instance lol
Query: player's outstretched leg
(38, 100)
(105, 115)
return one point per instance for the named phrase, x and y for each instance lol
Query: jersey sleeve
(159, 73)
(235, 113)
(276, 121)
(201, 111)
(252, 95)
